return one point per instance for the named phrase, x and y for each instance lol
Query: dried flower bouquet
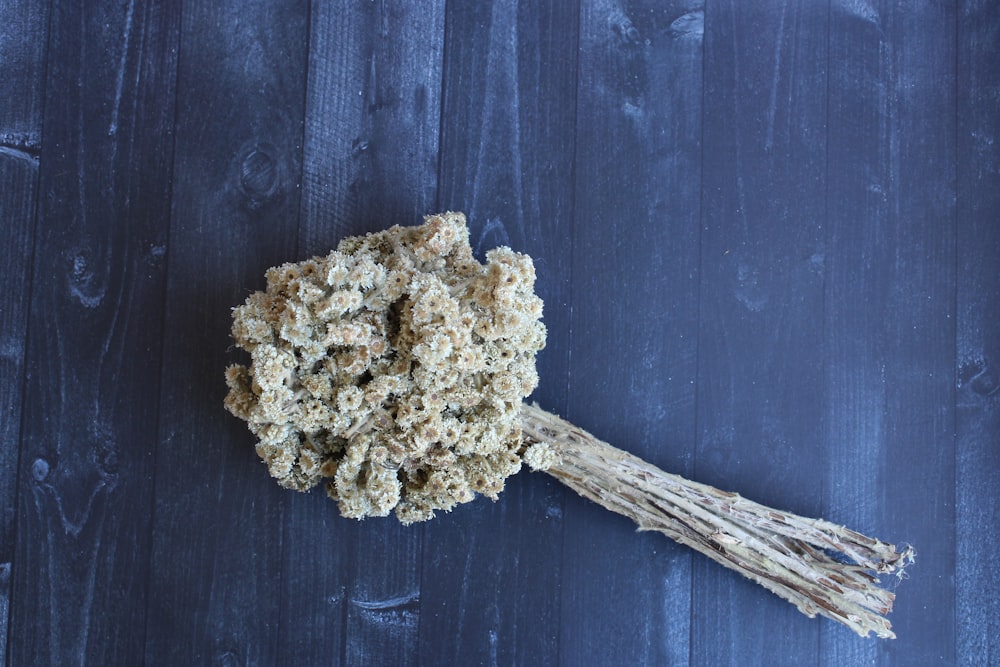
(395, 369)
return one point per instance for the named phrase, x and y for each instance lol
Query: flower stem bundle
(790, 555)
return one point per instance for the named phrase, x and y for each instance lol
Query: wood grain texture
(890, 316)
(765, 233)
(96, 315)
(23, 37)
(370, 157)
(372, 119)
(977, 471)
(759, 358)
(857, 191)
(506, 160)
(216, 564)
(634, 321)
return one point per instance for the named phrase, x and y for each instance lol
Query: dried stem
(792, 556)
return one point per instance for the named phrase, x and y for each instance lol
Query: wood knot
(259, 175)
(692, 23)
(226, 658)
(980, 376)
(86, 285)
(985, 382)
(39, 470)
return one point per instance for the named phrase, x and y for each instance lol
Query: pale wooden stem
(790, 555)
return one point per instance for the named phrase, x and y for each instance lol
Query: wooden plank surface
(766, 234)
(855, 403)
(977, 473)
(760, 359)
(91, 396)
(23, 37)
(890, 308)
(634, 322)
(370, 161)
(214, 591)
(506, 160)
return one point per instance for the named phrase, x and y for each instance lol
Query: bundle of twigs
(792, 556)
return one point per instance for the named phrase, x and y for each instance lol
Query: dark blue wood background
(768, 238)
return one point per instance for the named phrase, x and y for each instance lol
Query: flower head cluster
(393, 368)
